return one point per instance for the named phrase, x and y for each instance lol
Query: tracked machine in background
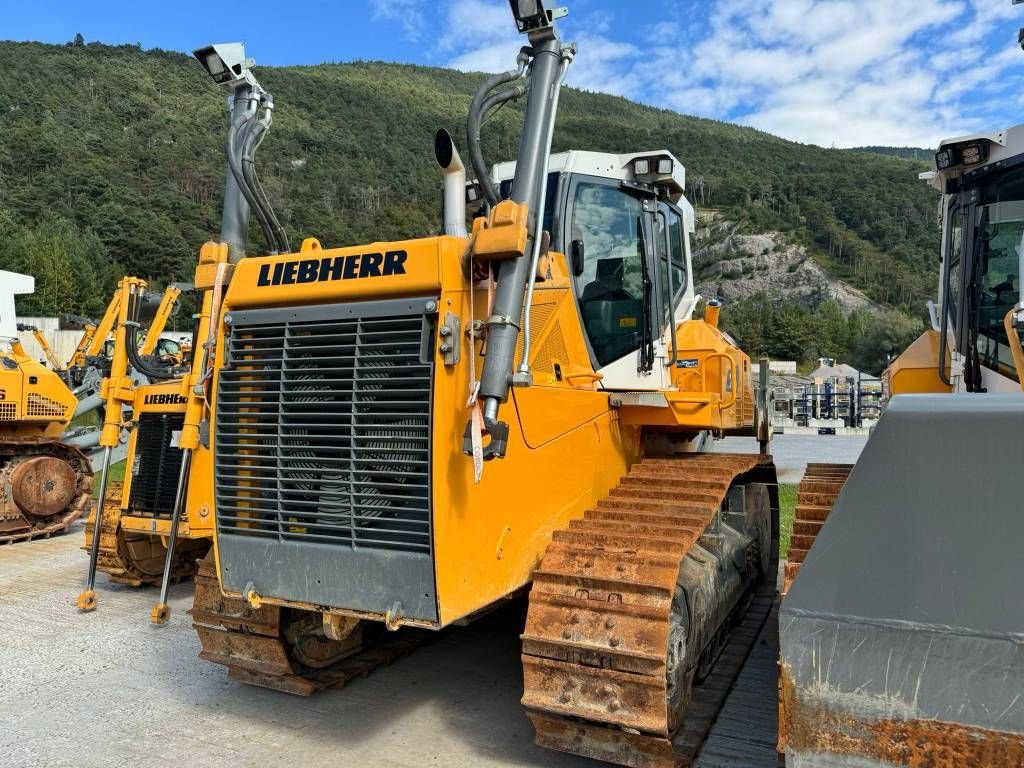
(902, 645)
(46, 483)
(402, 435)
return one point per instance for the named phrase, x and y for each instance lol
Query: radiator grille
(41, 405)
(156, 466)
(8, 412)
(323, 428)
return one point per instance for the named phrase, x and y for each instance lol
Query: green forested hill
(111, 161)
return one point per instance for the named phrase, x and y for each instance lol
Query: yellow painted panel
(374, 271)
(916, 371)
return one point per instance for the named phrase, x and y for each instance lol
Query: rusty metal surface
(281, 649)
(827, 735)
(903, 636)
(45, 486)
(134, 558)
(818, 490)
(596, 642)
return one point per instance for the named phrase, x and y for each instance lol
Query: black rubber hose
(254, 139)
(237, 133)
(473, 123)
(140, 364)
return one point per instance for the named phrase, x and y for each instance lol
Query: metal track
(254, 644)
(819, 488)
(135, 558)
(596, 644)
(17, 525)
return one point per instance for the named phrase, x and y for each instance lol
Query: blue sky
(829, 72)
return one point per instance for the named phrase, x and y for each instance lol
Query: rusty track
(136, 558)
(819, 488)
(17, 524)
(596, 650)
(260, 646)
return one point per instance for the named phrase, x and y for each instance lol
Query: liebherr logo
(173, 399)
(333, 268)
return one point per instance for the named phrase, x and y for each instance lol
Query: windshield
(999, 243)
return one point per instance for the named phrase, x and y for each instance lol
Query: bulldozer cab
(626, 230)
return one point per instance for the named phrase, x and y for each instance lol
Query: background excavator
(902, 633)
(400, 436)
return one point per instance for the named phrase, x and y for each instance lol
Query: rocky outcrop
(732, 265)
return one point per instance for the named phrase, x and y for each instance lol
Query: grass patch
(116, 474)
(787, 509)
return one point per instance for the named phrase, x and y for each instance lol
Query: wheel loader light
(665, 166)
(944, 159)
(641, 166)
(973, 154)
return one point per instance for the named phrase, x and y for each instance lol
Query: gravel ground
(107, 689)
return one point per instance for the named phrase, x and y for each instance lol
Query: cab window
(670, 234)
(1000, 237)
(954, 252)
(606, 221)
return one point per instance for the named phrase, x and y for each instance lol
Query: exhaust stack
(448, 159)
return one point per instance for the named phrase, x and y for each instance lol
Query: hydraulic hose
(473, 123)
(139, 363)
(253, 141)
(237, 135)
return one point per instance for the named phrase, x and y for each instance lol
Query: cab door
(610, 236)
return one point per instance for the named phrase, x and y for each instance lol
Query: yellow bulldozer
(47, 483)
(48, 460)
(397, 437)
(135, 524)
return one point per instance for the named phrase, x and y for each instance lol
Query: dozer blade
(902, 638)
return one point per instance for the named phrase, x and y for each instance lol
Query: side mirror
(576, 255)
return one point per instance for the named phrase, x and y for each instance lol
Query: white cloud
(408, 13)
(829, 72)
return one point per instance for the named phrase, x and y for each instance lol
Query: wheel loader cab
(620, 231)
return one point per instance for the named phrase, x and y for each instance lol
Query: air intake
(323, 426)
(157, 465)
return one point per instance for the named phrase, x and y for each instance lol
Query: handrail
(1016, 349)
(736, 381)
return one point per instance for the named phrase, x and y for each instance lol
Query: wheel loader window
(999, 242)
(611, 286)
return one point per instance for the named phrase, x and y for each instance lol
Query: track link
(596, 648)
(135, 558)
(254, 644)
(819, 488)
(17, 525)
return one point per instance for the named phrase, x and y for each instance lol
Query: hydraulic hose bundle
(245, 135)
